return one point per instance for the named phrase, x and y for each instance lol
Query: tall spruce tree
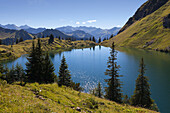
(20, 74)
(99, 40)
(31, 65)
(39, 62)
(64, 74)
(51, 40)
(94, 40)
(48, 68)
(113, 91)
(142, 93)
(99, 90)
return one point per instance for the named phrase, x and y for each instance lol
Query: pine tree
(99, 40)
(31, 64)
(113, 91)
(48, 68)
(11, 76)
(20, 74)
(51, 40)
(21, 39)
(111, 36)
(64, 74)
(99, 90)
(17, 41)
(90, 39)
(0, 42)
(142, 93)
(39, 62)
(94, 40)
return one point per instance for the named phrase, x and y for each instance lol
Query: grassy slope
(25, 47)
(145, 30)
(51, 98)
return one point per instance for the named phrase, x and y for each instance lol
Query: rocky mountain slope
(147, 8)
(150, 32)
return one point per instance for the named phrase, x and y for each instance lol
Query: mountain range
(96, 32)
(79, 32)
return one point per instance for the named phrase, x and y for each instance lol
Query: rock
(166, 21)
(78, 109)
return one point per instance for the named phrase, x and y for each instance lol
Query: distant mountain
(97, 32)
(10, 26)
(35, 31)
(55, 32)
(80, 34)
(8, 36)
(24, 27)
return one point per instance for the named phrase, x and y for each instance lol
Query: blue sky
(56, 13)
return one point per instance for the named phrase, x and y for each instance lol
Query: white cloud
(83, 22)
(77, 22)
(118, 26)
(91, 21)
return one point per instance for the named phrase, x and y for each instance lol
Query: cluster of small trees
(113, 92)
(39, 68)
(12, 75)
(19, 40)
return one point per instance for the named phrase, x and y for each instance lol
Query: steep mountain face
(80, 34)
(150, 32)
(147, 8)
(9, 36)
(55, 32)
(96, 32)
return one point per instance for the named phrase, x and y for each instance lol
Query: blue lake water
(87, 66)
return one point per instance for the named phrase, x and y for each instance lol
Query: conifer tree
(99, 90)
(20, 74)
(11, 76)
(142, 93)
(21, 39)
(90, 39)
(99, 40)
(31, 64)
(111, 36)
(64, 74)
(113, 91)
(94, 40)
(39, 62)
(48, 68)
(51, 40)
(2, 68)
(0, 42)
(17, 41)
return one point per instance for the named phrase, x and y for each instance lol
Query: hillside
(147, 8)
(51, 98)
(151, 32)
(8, 36)
(8, 52)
